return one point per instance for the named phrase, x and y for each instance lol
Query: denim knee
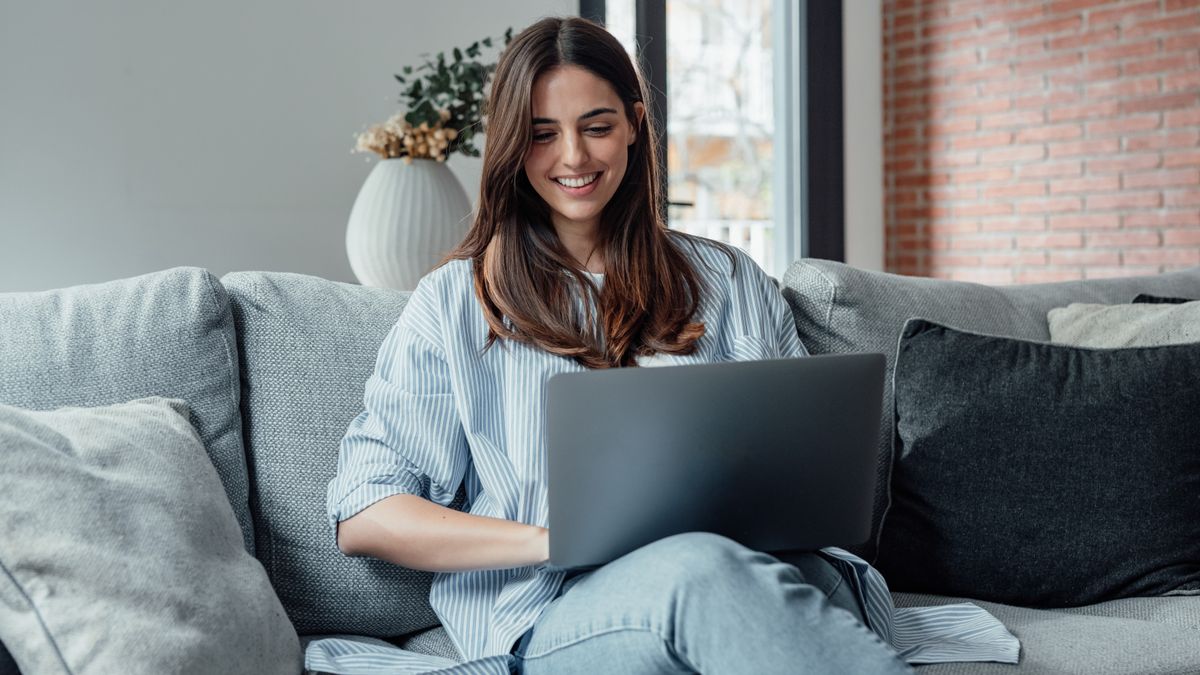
(694, 556)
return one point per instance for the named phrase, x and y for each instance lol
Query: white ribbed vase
(406, 217)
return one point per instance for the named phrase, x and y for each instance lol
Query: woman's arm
(414, 532)
(405, 456)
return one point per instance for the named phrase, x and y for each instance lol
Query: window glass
(720, 122)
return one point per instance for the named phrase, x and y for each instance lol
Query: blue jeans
(702, 603)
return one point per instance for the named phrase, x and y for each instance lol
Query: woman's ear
(639, 111)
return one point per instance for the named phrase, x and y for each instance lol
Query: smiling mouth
(579, 182)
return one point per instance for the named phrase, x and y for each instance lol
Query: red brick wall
(1034, 140)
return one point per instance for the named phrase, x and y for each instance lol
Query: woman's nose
(574, 150)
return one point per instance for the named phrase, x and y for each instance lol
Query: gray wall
(137, 135)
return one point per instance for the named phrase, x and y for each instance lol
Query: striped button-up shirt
(440, 413)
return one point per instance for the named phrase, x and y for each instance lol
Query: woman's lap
(700, 602)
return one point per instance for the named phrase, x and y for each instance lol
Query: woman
(568, 266)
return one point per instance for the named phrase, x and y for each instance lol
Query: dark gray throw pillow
(1147, 299)
(1042, 475)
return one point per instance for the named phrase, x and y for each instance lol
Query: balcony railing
(752, 236)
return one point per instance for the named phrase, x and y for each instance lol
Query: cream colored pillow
(1135, 325)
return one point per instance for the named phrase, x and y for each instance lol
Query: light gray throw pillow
(167, 333)
(1112, 326)
(120, 553)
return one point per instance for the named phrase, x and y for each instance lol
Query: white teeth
(578, 182)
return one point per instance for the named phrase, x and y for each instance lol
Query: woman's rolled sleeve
(764, 326)
(409, 439)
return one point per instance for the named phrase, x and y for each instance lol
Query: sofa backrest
(307, 346)
(841, 309)
(167, 333)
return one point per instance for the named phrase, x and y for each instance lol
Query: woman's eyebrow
(587, 115)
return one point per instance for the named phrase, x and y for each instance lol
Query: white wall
(137, 135)
(863, 105)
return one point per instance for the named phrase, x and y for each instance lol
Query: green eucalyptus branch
(444, 93)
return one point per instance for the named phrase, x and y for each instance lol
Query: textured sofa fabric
(839, 308)
(307, 346)
(167, 333)
(1137, 325)
(1134, 636)
(118, 547)
(1017, 461)
(310, 344)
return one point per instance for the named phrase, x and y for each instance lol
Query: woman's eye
(545, 136)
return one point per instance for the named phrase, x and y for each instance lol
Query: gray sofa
(273, 365)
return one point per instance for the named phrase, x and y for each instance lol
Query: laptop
(779, 455)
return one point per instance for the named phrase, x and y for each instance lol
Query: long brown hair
(651, 290)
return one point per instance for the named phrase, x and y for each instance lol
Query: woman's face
(580, 144)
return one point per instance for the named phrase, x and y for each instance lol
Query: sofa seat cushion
(307, 346)
(167, 333)
(840, 309)
(1132, 636)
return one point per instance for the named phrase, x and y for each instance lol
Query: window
(733, 68)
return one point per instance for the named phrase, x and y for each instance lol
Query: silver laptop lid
(778, 455)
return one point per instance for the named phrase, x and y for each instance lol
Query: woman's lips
(580, 191)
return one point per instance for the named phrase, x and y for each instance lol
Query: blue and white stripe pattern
(438, 414)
